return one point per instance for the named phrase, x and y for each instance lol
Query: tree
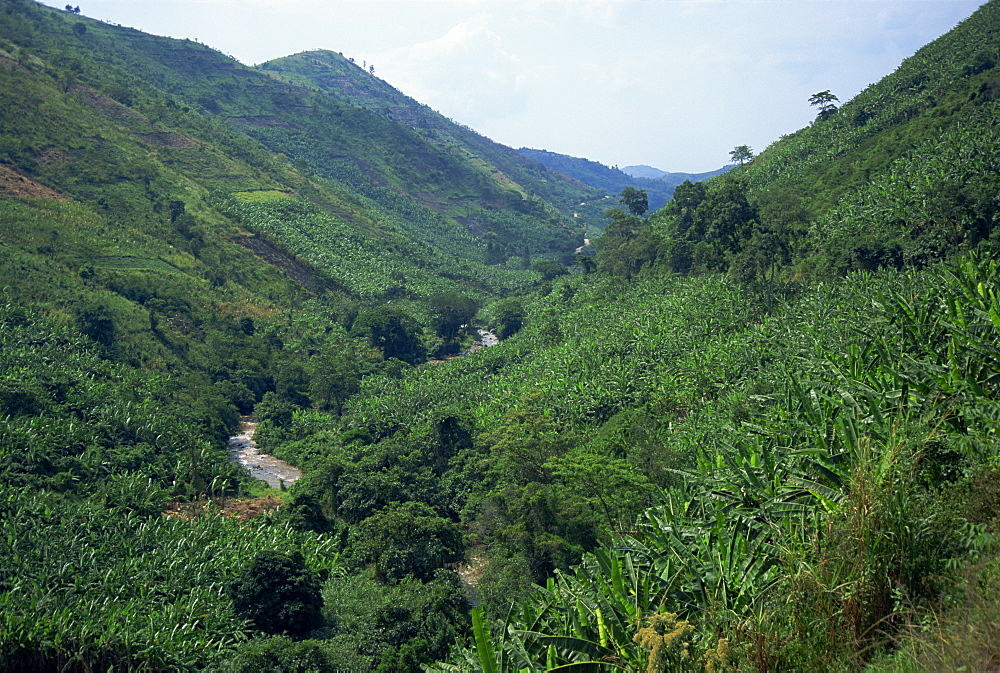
(393, 332)
(291, 383)
(449, 311)
(280, 653)
(635, 200)
(279, 594)
(741, 154)
(826, 102)
(396, 627)
(334, 379)
(549, 268)
(97, 322)
(616, 489)
(406, 538)
(706, 227)
(587, 263)
(627, 245)
(508, 317)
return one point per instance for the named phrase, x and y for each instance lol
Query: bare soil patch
(52, 156)
(11, 64)
(15, 185)
(242, 509)
(112, 109)
(300, 272)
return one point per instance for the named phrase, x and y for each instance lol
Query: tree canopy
(393, 331)
(741, 154)
(279, 594)
(635, 200)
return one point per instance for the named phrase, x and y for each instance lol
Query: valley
(538, 422)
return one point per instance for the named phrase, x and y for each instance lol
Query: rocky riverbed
(265, 467)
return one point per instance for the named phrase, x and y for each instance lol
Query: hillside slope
(905, 173)
(409, 177)
(685, 456)
(344, 80)
(158, 228)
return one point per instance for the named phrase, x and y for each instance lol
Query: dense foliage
(755, 429)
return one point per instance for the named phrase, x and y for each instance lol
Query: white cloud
(467, 73)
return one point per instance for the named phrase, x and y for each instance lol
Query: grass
(962, 636)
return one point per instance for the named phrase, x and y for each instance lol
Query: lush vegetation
(753, 430)
(333, 73)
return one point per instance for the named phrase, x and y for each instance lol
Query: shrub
(279, 594)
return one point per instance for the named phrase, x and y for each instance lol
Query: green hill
(672, 179)
(344, 80)
(756, 431)
(903, 174)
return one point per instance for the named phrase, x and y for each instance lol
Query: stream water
(243, 450)
(275, 472)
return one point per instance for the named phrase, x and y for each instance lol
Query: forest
(754, 429)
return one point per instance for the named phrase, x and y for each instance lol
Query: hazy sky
(675, 84)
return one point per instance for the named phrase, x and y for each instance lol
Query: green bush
(405, 538)
(280, 654)
(279, 594)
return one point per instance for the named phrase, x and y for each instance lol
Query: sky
(674, 84)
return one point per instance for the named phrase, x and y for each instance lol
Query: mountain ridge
(612, 180)
(334, 74)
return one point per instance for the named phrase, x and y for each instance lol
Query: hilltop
(673, 179)
(343, 79)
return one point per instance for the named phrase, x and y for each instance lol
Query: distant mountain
(658, 185)
(644, 171)
(674, 179)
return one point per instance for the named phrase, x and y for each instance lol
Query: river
(243, 450)
(275, 472)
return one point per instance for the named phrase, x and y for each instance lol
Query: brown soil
(240, 509)
(111, 109)
(11, 64)
(50, 156)
(14, 185)
(296, 270)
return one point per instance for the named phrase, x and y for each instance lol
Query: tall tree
(449, 311)
(826, 102)
(741, 154)
(279, 594)
(635, 200)
(393, 332)
(627, 245)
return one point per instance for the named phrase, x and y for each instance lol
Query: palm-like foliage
(819, 500)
